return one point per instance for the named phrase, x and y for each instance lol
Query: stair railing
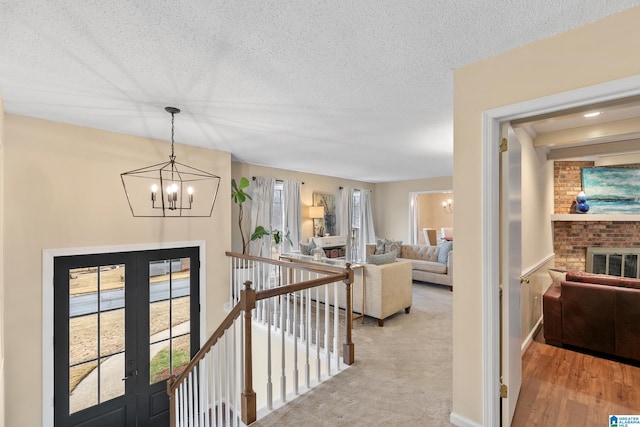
(296, 306)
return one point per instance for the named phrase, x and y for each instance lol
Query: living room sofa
(387, 289)
(595, 312)
(425, 266)
(428, 264)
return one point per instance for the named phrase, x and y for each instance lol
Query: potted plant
(279, 237)
(239, 196)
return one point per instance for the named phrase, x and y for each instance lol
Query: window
(355, 225)
(277, 211)
(355, 214)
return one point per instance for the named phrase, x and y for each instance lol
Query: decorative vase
(581, 205)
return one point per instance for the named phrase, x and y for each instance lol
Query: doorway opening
(431, 210)
(493, 119)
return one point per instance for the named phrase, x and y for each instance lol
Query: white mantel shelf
(595, 217)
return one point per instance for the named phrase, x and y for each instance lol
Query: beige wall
(537, 202)
(596, 53)
(391, 209)
(65, 192)
(537, 231)
(312, 184)
(2, 406)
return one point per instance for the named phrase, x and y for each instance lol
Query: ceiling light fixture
(170, 189)
(594, 114)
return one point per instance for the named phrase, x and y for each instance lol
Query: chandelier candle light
(177, 184)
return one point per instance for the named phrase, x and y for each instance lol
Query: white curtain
(261, 204)
(414, 218)
(367, 234)
(292, 214)
(345, 211)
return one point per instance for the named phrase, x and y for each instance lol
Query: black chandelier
(170, 189)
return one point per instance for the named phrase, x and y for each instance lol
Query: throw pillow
(379, 246)
(305, 248)
(443, 253)
(557, 276)
(392, 245)
(381, 259)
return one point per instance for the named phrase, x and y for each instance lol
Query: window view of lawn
(85, 332)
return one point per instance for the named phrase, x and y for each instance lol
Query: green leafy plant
(278, 237)
(239, 196)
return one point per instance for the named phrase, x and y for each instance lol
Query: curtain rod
(359, 189)
(253, 178)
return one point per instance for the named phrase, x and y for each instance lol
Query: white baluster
(207, 384)
(227, 393)
(336, 327)
(234, 365)
(183, 404)
(327, 329)
(269, 382)
(196, 397)
(318, 370)
(190, 399)
(295, 346)
(283, 377)
(307, 367)
(219, 382)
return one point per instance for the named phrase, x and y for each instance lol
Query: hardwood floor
(562, 387)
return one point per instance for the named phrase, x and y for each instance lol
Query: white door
(510, 271)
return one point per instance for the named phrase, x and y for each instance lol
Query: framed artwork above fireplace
(612, 190)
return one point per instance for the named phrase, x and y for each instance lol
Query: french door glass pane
(96, 335)
(169, 318)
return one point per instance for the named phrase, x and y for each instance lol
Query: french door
(123, 323)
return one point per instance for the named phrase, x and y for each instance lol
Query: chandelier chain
(172, 157)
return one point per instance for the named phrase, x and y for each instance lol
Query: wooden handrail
(226, 323)
(301, 266)
(286, 289)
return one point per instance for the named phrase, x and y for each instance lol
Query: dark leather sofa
(595, 312)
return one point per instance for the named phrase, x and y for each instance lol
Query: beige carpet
(401, 377)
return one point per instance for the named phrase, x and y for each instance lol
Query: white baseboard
(460, 421)
(527, 342)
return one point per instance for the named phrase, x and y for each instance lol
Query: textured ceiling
(354, 89)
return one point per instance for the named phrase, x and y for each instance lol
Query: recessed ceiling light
(594, 114)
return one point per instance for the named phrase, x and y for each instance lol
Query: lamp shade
(316, 211)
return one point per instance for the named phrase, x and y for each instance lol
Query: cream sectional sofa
(425, 266)
(387, 289)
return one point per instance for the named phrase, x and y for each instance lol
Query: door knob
(129, 375)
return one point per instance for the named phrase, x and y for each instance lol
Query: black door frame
(137, 390)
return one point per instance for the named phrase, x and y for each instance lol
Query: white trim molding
(460, 421)
(48, 256)
(492, 119)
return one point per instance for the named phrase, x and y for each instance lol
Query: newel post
(249, 405)
(347, 347)
(172, 400)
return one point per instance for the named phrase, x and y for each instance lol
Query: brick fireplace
(571, 238)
